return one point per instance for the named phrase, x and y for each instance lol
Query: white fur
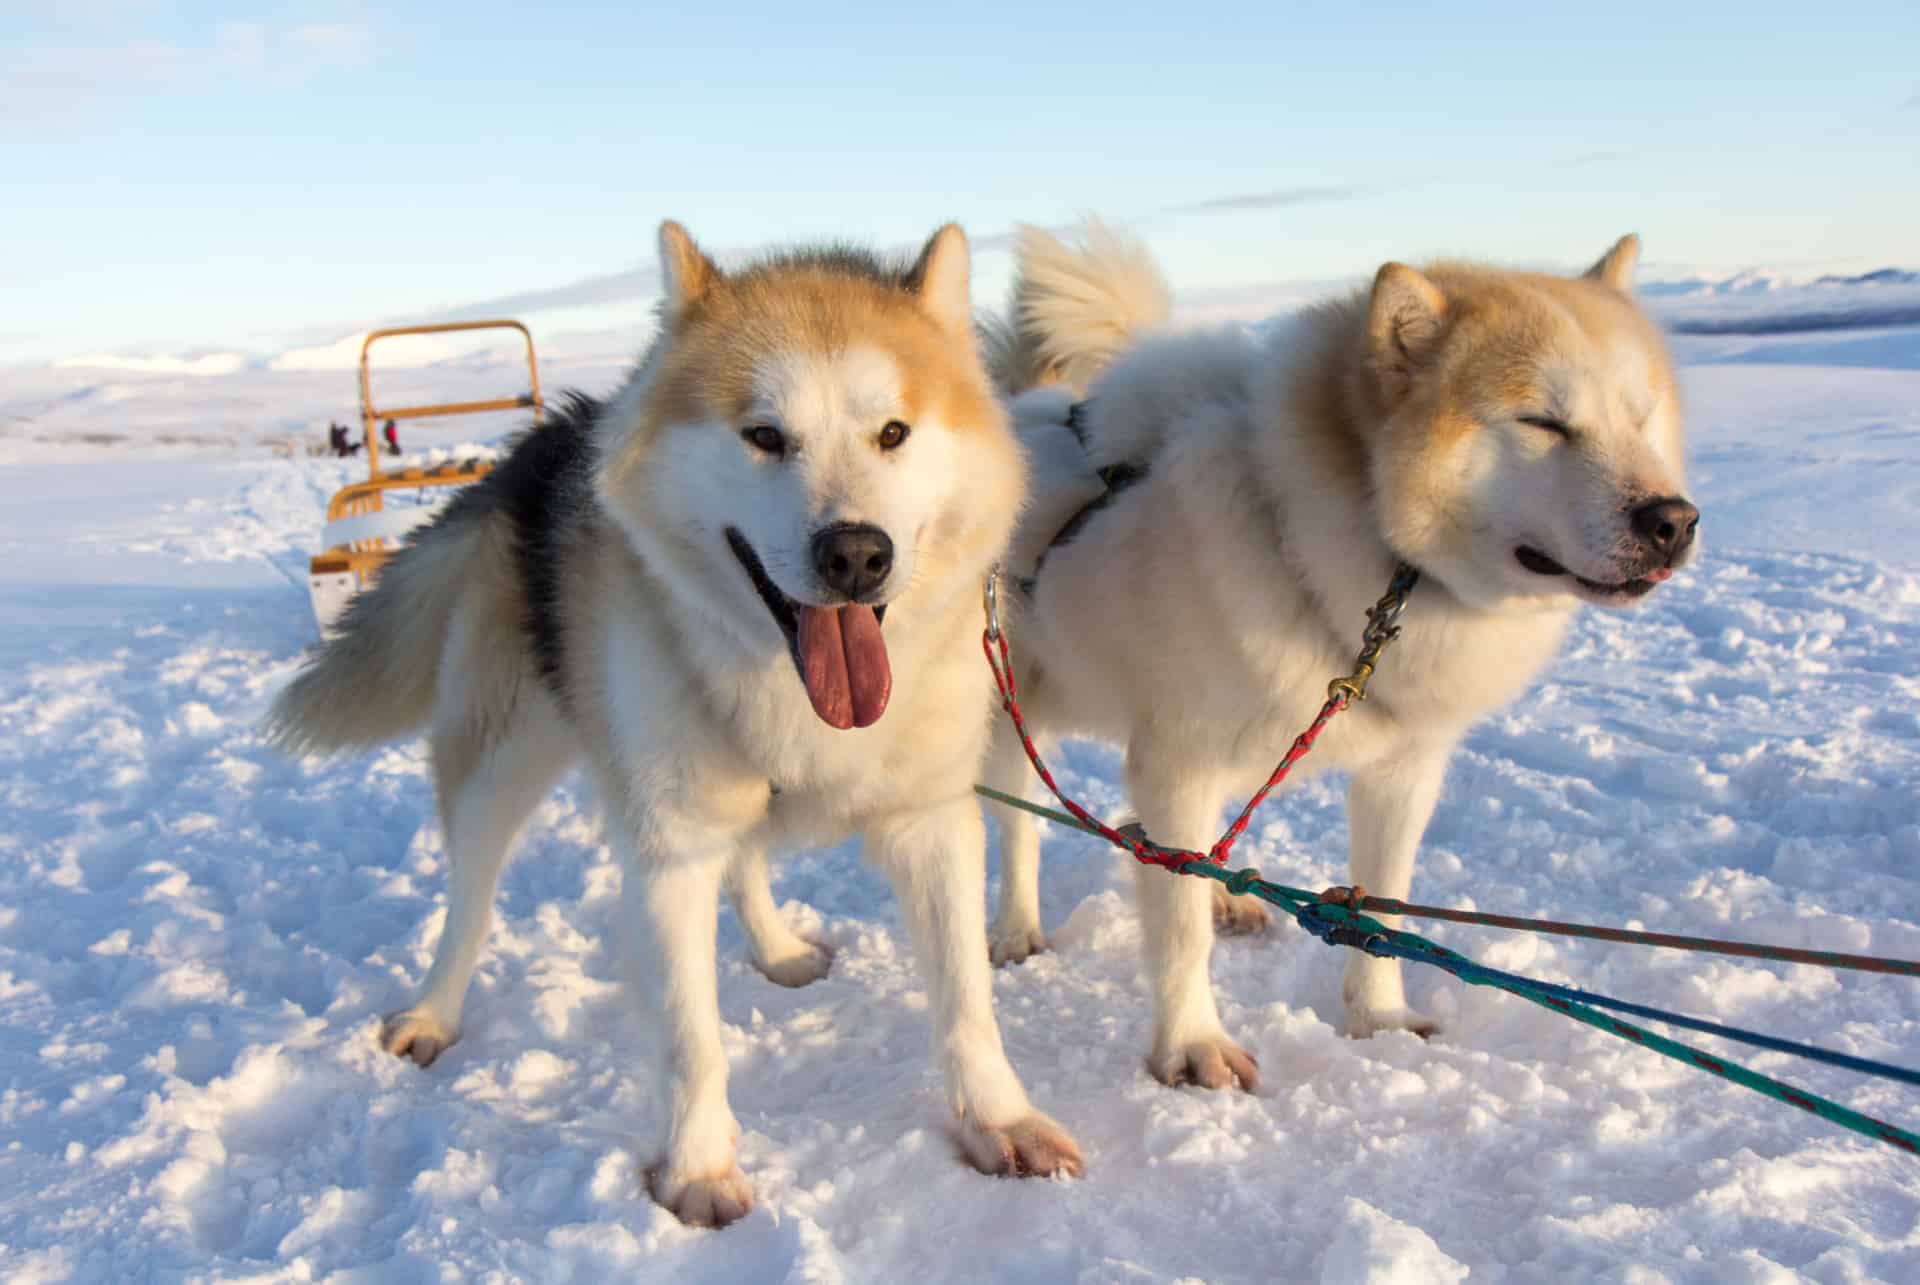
(701, 807)
(1197, 620)
(684, 704)
(1075, 306)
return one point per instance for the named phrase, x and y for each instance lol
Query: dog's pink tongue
(843, 662)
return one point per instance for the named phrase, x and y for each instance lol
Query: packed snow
(198, 937)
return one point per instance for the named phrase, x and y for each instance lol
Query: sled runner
(362, 528)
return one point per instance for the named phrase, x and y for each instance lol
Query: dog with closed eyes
(1515, 437)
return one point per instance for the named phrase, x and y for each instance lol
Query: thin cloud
(51, 82)
(1004, 240)
(624, 285)
(347, 41)
(1290, 197)
(644, 282)
(1584, 159)
(1277, 199)
(1912, 104)
(606, 287)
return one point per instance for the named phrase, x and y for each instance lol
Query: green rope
(1340, 925)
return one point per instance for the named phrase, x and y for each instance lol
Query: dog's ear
(686, 274)
(1405, 317)
(939, 277)
(1615, 267)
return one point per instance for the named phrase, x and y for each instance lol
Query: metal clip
(990, 600)
(1380, 631)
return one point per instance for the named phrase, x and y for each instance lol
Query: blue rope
(1339, 926)
(1475, 973)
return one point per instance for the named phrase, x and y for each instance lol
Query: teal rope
(1376, 938)
(1338, 925)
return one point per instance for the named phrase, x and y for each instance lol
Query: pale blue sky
(210, 174)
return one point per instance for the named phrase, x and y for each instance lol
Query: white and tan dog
(744, 592)
(1515, 437)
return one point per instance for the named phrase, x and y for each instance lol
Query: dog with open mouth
(839, 651)
(744, 593)
(1214, 512)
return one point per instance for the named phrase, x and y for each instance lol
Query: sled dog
(1239, 503)
(744, 592)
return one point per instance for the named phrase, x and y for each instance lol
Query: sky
(190, 176)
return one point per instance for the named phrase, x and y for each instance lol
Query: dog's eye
(1547, 423)
(893, 434)
(765, 437)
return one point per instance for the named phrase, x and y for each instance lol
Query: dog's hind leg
(1388, 805)
(1016, 928)
(782, 954)
(1181, 809)
(487, 786)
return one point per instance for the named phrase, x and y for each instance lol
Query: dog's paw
(417, 1033)
(1236, 916)
(1365, 1023)
(1015, 943)
(801, 968)
(1034, 1147)
(712, 1201)
(1213, 1062)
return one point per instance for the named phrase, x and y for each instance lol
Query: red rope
(1152, 854)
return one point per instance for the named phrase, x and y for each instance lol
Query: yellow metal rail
(371, 415)
(363, 557)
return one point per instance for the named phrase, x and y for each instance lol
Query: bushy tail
(374, 681)
(1075, 307)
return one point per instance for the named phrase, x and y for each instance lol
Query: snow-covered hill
(1759, 302)
(285, 399)
(197, 939)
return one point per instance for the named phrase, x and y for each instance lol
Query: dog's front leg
(936, 858)
(671, 896)
(1388, 805)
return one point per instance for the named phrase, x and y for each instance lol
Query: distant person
(391, 434)
(337, 439)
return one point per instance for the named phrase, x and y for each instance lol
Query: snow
(214, 363)
(286, 401)
(198, 937)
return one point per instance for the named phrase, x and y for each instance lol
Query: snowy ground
(197, 939)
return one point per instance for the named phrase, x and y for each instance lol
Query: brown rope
(1356, 898)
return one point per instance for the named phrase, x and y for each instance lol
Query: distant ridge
(1764, 302)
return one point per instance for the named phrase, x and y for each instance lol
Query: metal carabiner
(990, 600)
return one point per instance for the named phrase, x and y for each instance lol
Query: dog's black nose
(852, 558)
(1667, 525)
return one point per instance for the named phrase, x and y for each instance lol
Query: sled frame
(363, 558)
